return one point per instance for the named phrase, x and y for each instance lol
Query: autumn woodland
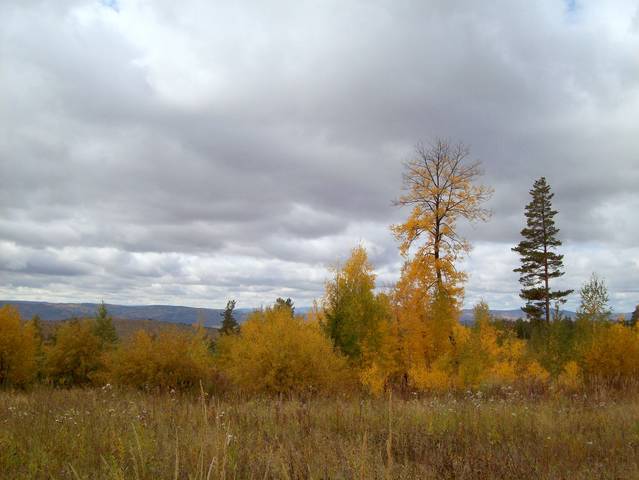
(371, 383)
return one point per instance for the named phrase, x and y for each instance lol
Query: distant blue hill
(210, 317)
(467, 314)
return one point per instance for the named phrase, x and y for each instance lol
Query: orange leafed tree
(278, 353)
(611, 356)
(76, 356)
(17, 348)
(171, 359)
(440, 186)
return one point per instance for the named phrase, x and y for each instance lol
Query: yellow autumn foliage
(490, 357)
(425, 324)
(18, 345)
(276, 353)
(570, 379)
(501, 373)
(612, 355)
(435, 378)
(381, 366)
(374, 377)
(172, 359)
(76, 356)
(408, 340)
(535, 373)
(440, 186)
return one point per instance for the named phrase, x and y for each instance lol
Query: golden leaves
(172, 359)
(17, 348)
(440, 187)
(276, 353)
(76, 356)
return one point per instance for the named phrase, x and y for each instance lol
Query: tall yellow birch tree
(440, 186)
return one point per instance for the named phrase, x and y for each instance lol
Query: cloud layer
(187, 152)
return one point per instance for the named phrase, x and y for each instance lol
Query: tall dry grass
(123, 434)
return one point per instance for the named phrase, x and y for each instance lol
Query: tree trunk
(546, 291)
(436, 246)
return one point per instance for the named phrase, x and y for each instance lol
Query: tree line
(358, 337)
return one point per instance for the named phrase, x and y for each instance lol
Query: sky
(163, 152)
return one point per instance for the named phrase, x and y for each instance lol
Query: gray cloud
(192, 151)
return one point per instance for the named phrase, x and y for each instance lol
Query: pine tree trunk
(546, 287)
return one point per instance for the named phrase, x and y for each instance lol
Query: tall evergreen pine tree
(539, 262)
(229, 324)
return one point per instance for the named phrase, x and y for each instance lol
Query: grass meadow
(108, 433)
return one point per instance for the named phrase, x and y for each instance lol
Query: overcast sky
(186, 152)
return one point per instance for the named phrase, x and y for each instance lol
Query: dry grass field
(106, 433)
